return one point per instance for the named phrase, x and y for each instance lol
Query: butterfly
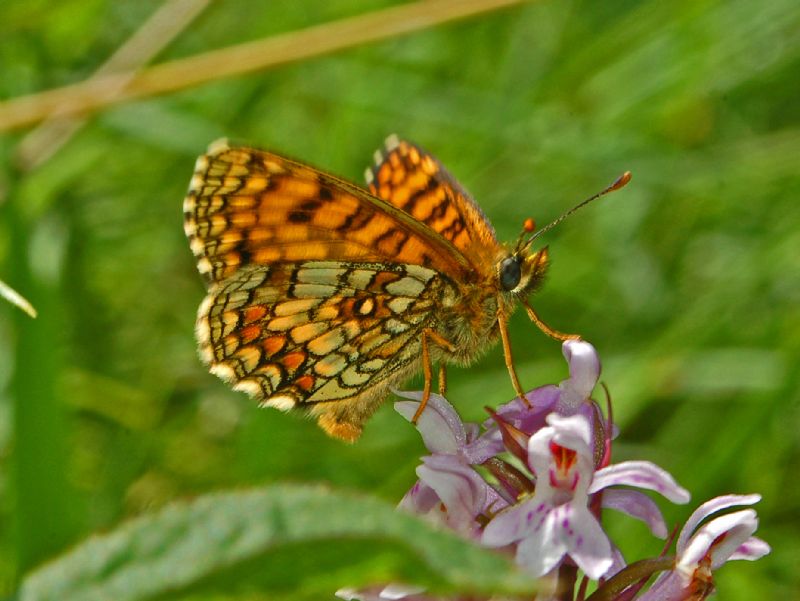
(323, 295)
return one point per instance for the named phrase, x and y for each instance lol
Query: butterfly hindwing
(317, 333)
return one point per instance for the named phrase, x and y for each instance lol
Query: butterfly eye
(510, 273)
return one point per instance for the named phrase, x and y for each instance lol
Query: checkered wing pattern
(247, 206)
(325, 336)
(413, 180)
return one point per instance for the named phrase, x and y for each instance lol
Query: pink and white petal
(483, 447)
(708, 508)
(586, 542)
(514, 523)
(751, 549)
(528, 417)
(637, 505)
(572, 431)
(737, 528)
(461, 489)
(541, 550)
(584, 370)
(641, 474)
(439, 425)
(420, 499)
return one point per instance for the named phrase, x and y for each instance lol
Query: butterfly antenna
(528, 227)
(618, 183)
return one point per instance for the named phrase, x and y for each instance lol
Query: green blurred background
(687, 281)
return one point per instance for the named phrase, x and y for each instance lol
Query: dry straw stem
(164, 25)
(98, 92)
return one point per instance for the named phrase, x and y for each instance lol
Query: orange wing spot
(250, 333)
(260, 234)
(400, 195)
(429, 166)
(390, 349)
(231, 259)
(294, 360)
(256, 183)
(399, 175)
(273, 166)
(385, 191)
(265, 256)
(346, 307)
(242, 202)
(413, 154)
(273, 344)
(231, 236)
(382, 279)
(384, 174)
(216, 203)
(305, 383)
(299, 188)
(217, 223)
(254, 313)
(243, 220)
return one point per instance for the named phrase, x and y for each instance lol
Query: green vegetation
(686, 281)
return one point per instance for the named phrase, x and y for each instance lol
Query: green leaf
(217, 540)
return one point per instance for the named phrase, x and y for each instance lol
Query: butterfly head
(520, 273)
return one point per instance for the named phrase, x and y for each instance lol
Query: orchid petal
(637, 505)
(584, 370)
(573, 431)
(482, 448)
(737, 528)
(514, 523)
(751, 549)
(420, 499)
(528, 416)
(567, 530)
(710, 507)
(461, 489)
(641, 474)
(439, 425)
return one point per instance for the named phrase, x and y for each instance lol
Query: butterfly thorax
(469, 314)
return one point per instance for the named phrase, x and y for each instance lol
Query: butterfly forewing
(413, 180)
(247, 206)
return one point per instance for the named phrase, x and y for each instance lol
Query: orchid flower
(556, 520)
(702, 550)
(449, 490)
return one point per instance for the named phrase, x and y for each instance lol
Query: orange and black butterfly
(323, 295)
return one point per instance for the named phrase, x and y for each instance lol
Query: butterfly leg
(442, 378)
(427, 372)
(545, 328)
(502, 323)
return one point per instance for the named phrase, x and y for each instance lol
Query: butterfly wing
(247, 206)
(413, 180)
(329, 337)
